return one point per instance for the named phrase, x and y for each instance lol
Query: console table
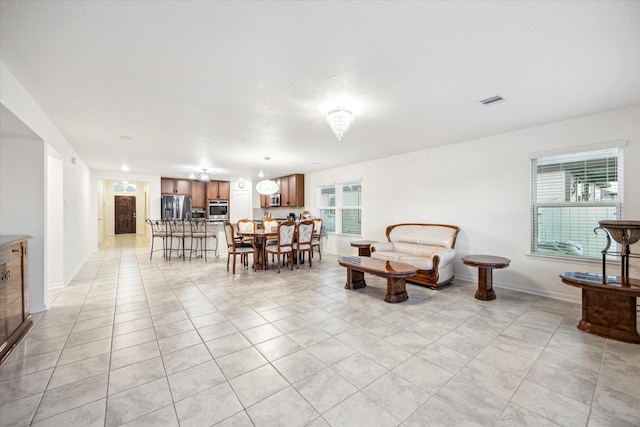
(15, 319)
(609, 302)
(608, 305)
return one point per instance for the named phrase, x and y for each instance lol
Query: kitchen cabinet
(198, 194)
(175, 186)
(15, 319)
(218, 190)
(292, 191)
(264, 201)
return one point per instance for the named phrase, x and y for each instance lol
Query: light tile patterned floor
(167, 343)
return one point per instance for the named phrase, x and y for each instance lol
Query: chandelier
(204, 176)
(339, 121)
(267, 187)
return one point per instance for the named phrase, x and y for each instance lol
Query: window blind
(570, 194)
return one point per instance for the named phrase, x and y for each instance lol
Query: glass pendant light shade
(266, 186)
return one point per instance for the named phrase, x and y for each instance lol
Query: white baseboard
(56, 285)
(520, 288)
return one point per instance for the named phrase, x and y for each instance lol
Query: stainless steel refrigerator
(176, 207)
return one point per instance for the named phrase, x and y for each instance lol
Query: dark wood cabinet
(175, 186)
(218, 190)
(198, 194)
(15, 319)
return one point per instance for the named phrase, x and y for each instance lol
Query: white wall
(23, 207)
(483, 187)
(54, 259)
(76, 244)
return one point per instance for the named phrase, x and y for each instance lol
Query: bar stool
(200, 234)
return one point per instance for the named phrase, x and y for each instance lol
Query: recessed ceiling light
(493, 100)
(125, 167)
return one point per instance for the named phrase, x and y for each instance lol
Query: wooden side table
(486, 264)
(364, 246)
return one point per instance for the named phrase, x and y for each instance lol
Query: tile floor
(167, 343)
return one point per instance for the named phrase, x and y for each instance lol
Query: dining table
(259, 238)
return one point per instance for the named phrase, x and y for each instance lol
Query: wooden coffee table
(486, 264)
(394, 272)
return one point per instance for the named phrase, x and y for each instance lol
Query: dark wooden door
(125, 214)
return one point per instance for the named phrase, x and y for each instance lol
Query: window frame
(339, 207)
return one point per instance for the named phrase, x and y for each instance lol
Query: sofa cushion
(432, 235)
(421, 263)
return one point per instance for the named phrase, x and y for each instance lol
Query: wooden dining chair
(235, 248)
(245, 225)
(304, 236)
(317, 234)
(286, 233)
(270, 224)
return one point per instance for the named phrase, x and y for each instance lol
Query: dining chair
(286, 232)
(159, 228)
(304, 235)
(235, 248)
(246, 225)
(270, 224)
(200, 234)
(317, 233)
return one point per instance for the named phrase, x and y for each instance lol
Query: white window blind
(570, 194)
(340, 207)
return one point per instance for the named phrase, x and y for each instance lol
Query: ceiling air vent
(492, 100)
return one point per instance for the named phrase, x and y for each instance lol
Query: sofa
(428, 247)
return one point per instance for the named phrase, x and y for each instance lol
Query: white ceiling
(220, 85)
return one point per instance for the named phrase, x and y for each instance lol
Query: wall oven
(218, 210)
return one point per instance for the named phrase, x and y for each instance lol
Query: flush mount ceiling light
(339, 121)
(267, 187)
(204, 176)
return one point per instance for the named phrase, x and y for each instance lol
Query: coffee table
(394, 272)
(485, 264)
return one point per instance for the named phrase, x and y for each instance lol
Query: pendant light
(267, 187)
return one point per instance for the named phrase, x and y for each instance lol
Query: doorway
(125, 214)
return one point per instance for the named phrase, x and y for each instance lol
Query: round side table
(485, 264)
(364, 246)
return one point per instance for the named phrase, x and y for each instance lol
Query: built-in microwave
(274, 200)
(218, 210)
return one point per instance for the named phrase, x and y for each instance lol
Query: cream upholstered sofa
(428, 247)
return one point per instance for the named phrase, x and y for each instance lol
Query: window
(570, 194)
(340, 208)
(124, 187)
